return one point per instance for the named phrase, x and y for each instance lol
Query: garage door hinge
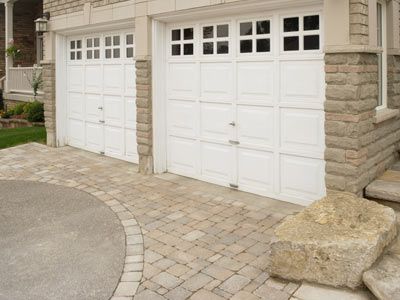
(102, 152)
(234, 186)
(234, 142)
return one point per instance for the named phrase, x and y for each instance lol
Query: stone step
(386, 187)
(383, 279)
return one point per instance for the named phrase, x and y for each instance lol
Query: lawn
(10, 137)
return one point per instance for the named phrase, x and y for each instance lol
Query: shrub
(35, 111)
(19, 109)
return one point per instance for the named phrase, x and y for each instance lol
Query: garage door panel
(92, 111)
(183, 156)
(302, 177)
(131, 145)
(255, 170)
(302, 130)
(215, 119)
(93, 79)
(216, 81)
(75, 105)
(75, 78)
(113, 79)
(216, 162)
(182, 116)
(302, 81)
(130, 80)
(182, 81)
(255, 82)
(94, 137)
(256, 125)
(76, 133)
(114, 110)
(114, 141)
(130, 112)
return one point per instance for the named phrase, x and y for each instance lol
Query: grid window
(255, 36)
(129, 42)
(215, 39)
(112, 47)
(301, 33)
(182, 41)
(75, 50)
(92, 48)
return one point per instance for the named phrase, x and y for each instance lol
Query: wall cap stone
(385, 114)
(352, 49)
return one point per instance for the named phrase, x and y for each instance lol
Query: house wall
(2, 41)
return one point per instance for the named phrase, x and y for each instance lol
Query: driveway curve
(57, 243)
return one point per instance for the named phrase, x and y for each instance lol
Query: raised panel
(255, 170)
(255, 125)
(76, 133)
(183, 156)
(302, 177)
(94, 137)
(302, 81)
(75, 105)
(114, 141)
(75, 78)
(255, 82)
(113, 79)
(214, 121)
(182, 81)
(182, 116)
(93, 103)
(217, 81)
(113, 110)
(130, 80)
(93, 79)
(130, 113)
(302, 130)
(216, 162)
(131, 145)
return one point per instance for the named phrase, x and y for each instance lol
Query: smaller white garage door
(101, 88)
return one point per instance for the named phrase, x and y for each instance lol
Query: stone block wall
(144, 117)
(49, 100)
(2, 41)
(358, 149)
(359, 31)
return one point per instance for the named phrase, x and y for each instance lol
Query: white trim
(384, 33)
(61, 90)
(159, 100)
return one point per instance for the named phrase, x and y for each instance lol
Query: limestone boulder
(333, 241)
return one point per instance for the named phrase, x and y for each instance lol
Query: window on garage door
(215, 39)
(182, 41)
(255, 36)
(75, 49)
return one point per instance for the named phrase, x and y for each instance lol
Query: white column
(8, 9)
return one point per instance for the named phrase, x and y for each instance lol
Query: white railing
(2, 82)
(18, 79)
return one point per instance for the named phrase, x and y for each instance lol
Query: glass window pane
(176, 49)
(108, 41)
(89, 43)
(89, 54)
(108, 53)
(223, 30)
(129, 52)
(79, 55)
(116, 53)
(311, 22)
(129, 39)
(72, 45)
(79, 44)
(188, 49)
(208, 32)
(246, 46)
(208, 48)
(291, 24)
(291, 43)
(96, 54)
(311, 42)
(116, 40)
(263, 45)
(72, 55)
(176, 35)
(379, 24)
(246, 28)
(188, 34)
(97, 42)
(380, 79)
(222, 47)
(263, 27)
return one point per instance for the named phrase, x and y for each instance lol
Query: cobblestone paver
(201, 241)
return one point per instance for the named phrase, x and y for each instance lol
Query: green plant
(34, 111)
(13, 51)
(36, 82)
(19, 109)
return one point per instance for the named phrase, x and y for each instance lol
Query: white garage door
(102, 94)
(245, 104)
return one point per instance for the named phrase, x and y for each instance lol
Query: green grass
(10, 137)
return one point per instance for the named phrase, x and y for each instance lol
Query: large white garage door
(245, 104)
(101, 94)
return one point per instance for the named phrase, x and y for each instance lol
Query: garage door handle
(232, 123)
(100, 107)
(101, 121)
(234, 142)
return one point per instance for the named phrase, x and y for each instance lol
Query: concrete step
(386, 187)
(383, 279)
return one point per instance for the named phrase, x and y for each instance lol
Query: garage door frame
(160, 25)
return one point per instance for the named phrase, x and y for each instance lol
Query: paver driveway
(200, 240)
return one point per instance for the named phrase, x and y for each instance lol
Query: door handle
(234, 142)
(232, 123)
(102, 121)
(100, 107)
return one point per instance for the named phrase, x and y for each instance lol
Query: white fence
(18, 79)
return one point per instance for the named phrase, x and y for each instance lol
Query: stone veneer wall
(358, 150)
(144, 118)
(60, 7)
(49, 100)
(359, 32)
